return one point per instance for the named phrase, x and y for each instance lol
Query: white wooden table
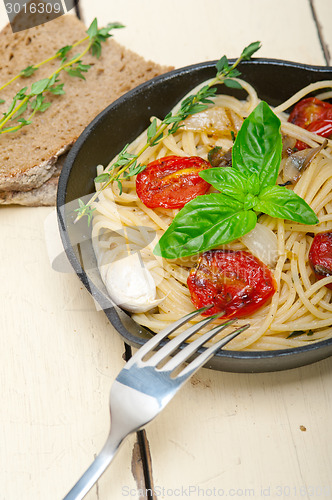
(224, 435)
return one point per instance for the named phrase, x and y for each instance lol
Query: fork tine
(208, 353)
(191, 348)
(196, 344)
(181, 337)
(154, 341)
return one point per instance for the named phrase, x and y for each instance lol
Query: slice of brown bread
(28, 157)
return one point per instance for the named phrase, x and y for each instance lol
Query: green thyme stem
(28, 97)
(13, 112)
(38, 65)
(73, 61)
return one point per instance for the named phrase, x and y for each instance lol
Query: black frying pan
(119, 124)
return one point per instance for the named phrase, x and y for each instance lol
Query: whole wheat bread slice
(28, 158)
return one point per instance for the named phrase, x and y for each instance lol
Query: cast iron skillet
(119, 124)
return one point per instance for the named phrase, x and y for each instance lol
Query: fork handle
(98, 466)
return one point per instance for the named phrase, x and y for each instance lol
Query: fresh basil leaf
(258, 145)
(227, 180)
(280, 202)
(253, 184)
(205, 222)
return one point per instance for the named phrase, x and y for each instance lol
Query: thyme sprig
(33, 100)
(127, 164)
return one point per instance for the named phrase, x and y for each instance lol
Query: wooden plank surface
(240, 435)
(187, 32)
(59, 356)
(322, 11)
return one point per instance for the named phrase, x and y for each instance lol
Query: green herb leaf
(280, 202)
(204, 223)
(77, 69)
(93, 29)
(258, 145)
(23, 121)
(233, 84)
(135, 169)
(119, 183)
(97, 36)
(152, 129)
(21, 94)
(2, 101)
(57, 89)
(222, 64)
(40, 86)
(104, 177)
(249, 51)
(189, 106)
(21, 111)
(296, 333)
(28, 71)
(43, 107)
(84, 209)
(62, 53)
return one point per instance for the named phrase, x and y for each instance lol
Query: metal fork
(144, 387)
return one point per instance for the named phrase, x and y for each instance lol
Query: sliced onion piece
(263, 243)
(288, 143)
(217, 120)
(296, 163)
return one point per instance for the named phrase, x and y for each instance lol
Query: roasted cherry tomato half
(172, 181)
(313, 115)
(319, 127)
(308, 110)
(235, 282)
(320, 255)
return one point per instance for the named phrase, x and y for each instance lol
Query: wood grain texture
(323, 13)
(187, 32)
(58, 359)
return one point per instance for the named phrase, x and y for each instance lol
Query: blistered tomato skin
(172, 181)
(320, 256)
(234, 282)
(309, 110)
(313, 115)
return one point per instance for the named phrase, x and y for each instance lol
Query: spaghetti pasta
(301, 309)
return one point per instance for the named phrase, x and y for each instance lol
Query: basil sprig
(247, 188)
